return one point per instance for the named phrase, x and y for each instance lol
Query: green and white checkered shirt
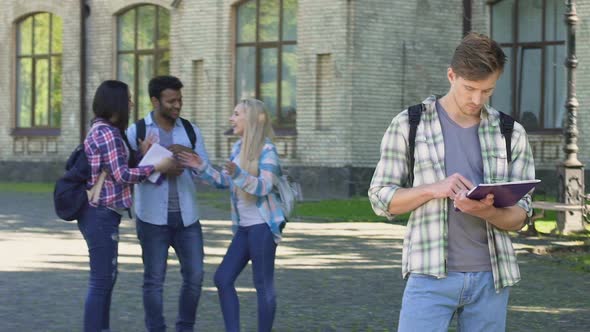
(425, 243)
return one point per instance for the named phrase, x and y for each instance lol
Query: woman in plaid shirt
(107, 151)
(250, 173)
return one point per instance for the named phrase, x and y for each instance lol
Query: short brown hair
(477, 57)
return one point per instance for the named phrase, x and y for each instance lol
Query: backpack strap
(140, 131)
(506, 126)
(414, 114)
(190, 131)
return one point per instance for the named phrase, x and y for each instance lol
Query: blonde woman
(250, 173)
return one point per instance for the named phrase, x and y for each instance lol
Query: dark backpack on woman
(69, 195)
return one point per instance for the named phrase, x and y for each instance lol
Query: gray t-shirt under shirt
(467, 241)
(173, 205)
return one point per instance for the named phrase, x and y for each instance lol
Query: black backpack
(414, 114)
(69, 195)
(190, 131)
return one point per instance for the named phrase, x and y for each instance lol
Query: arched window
(38, 71)
(266, 61)
(533, 86)
(143, 51)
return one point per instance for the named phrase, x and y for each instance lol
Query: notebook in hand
(505, 193)
(153, 156)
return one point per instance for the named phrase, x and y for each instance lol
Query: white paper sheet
(154, 155)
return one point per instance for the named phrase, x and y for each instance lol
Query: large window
(266, 61)
(533, 86)
(38, 71)
(143, 51)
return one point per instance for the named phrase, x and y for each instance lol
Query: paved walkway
(330, 277)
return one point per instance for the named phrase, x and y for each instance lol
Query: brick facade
(359, 64)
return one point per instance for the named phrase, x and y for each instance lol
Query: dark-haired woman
(107, 152)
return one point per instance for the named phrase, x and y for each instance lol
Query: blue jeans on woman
(187, 242)
(254, 243)
(100, 228)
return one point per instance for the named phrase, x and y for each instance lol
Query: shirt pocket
(424, 165)
(499, 166)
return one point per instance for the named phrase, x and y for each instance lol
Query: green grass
(356, 209)
(580, 261)
(30, 187)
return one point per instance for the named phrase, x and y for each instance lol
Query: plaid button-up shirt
(425, 243)
(106, 150)
(261, 186)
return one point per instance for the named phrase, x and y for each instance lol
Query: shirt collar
(149, 120)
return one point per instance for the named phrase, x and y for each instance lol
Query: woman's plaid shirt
(425, 243)
(105, 150)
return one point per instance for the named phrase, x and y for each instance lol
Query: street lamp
(571, 171)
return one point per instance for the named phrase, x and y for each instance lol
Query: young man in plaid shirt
(457, 256)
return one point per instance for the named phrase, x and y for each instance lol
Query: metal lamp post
(571, 171)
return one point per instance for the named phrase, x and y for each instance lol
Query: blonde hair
(258, 127)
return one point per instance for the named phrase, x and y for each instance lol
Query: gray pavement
(329, 277)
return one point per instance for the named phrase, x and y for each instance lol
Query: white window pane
(247, 22)
(56, 96)
(25, 37)
(126, 31)
(502, 14)
(41, 30)
(530, 19)
(56, 34)
(269, 20)
(41, 92)
(163, 28)
(289, 19)
(145, 74)
(24, 93)
(245, 73)
(146, 27)
(502, 98)
(555, 86)
(530, 88)
(289, 85)
(268, 80)
(555, 27)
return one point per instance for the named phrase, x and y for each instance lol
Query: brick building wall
(358, 64)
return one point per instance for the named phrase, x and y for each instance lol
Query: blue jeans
(100, 228)
(188, 245)
(429, 304)
(254, 243)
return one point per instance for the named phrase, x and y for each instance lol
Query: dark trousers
(100, 228)
(254, 243)
(188, 245)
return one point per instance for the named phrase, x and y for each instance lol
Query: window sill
(36, 132)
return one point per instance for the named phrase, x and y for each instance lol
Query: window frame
(280, 128)
(515, 45)
(157, 52)
(33, 129)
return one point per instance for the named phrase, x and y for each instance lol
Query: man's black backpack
(414, 114)
(69, 194)
(190, 131)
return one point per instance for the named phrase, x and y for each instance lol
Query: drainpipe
(84, 12)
